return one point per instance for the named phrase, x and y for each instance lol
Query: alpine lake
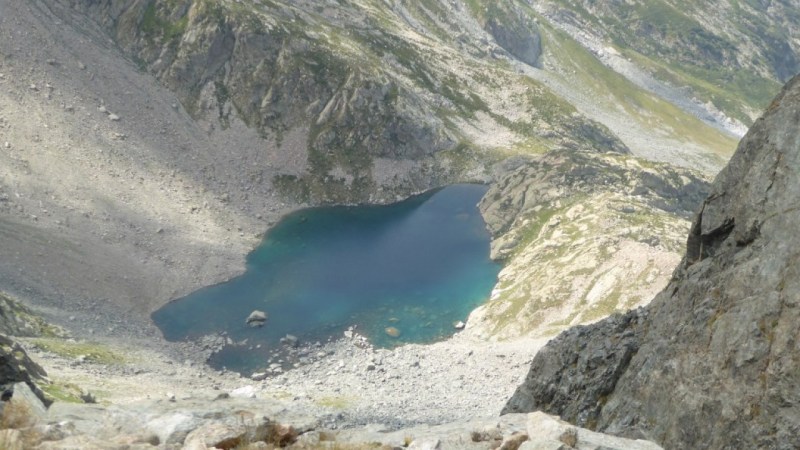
(399, 273)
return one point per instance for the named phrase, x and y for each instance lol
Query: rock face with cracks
(712, 361)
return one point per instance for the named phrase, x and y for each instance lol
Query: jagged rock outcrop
(714, 357)
(526, 182)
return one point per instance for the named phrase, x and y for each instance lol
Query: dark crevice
(700, 246)
(710, 242)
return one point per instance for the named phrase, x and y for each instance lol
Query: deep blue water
(419, 265)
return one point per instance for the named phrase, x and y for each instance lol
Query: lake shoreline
(405, 272)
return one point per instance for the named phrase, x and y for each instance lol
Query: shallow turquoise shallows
(418, 266)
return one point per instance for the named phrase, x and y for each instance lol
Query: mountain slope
(711, 362)
(150, 143)
(726, 55)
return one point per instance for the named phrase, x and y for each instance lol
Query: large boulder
(256, 319)
(714, 358)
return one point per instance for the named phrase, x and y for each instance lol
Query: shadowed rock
(17, 367)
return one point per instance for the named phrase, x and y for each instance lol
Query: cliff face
(712, 361)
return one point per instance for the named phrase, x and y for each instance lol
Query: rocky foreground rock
(16, 367)
(712, 362)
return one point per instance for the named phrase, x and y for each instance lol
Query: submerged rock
(392, 332)
(290, 340)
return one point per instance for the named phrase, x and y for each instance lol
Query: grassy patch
(648, 109)
(605, 307)
(92, 352)
(29, 323)
(63, 392)
(736, 92)
(154, 25)
(334, 402)
(664, 37)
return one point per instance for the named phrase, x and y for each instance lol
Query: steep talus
(712, 361)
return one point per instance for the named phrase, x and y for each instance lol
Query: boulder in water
(256, 319)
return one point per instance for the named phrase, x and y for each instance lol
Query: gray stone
(427, 444)
(256, 318)
(543, 444)
(290, 340)
(172, 428)
(88, 397)
(258, 376)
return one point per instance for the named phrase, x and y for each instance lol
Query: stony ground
(346, 382)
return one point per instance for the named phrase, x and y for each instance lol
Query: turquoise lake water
(419, 265)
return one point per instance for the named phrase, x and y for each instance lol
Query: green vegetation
(736, 92)
(63, 392)
(18, 320)
(334, 402)
(91, 352)
(609, 304)
(486, 10)
(291, 186)
(665, 37)
(153, 25)
(647, 108)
